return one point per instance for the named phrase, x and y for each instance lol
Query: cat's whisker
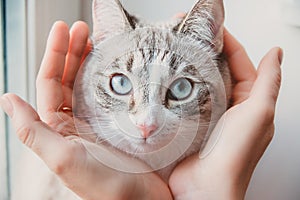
(80, 133)
(108, 139)
(103, 141)
(117, 144)
(137, 151)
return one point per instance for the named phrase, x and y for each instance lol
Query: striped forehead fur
(150, 42)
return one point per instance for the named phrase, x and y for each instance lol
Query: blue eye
(120, 84)
(180, 89)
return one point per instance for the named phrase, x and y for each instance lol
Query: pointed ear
(110, 18)
(205, 22)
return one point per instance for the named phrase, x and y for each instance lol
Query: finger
(49, 89)
(78, 41)
(180, 15)
(31, 130)
(263, 98)
(240, 65)
(87, 50)
(257, 124)
(267, 85)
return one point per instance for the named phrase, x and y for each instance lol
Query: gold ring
(66, 109)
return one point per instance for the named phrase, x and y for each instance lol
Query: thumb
(267, 84)
(34, 133)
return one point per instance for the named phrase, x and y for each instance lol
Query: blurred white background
(258, 25)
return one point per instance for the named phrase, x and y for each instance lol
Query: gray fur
(152, 57)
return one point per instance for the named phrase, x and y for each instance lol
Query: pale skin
(223, 174)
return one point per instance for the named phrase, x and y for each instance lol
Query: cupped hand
(51, 131)
(246, 130)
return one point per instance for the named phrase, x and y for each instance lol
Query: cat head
(145, 87)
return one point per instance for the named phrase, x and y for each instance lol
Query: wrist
(204, 182)
(213, 192)
(150, 186)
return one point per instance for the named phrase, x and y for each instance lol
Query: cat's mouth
(155, 142)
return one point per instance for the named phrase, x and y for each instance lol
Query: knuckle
(58, 168)
(26, 134)
(276, 84)
(278, 77)
(269, 114)
(266, 113)
(64, 161)
(268, 136)
(38, 81)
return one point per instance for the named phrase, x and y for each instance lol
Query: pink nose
(147, 130)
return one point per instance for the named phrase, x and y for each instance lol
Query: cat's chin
(152, 144)
(142, 146)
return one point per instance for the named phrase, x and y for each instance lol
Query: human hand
(51, 132)
(246, 130)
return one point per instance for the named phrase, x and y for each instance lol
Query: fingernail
(280, 56)
(6, 106)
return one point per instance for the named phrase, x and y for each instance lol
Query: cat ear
(205, 22)
(110, 18)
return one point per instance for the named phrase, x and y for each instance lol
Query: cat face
(146, 88)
